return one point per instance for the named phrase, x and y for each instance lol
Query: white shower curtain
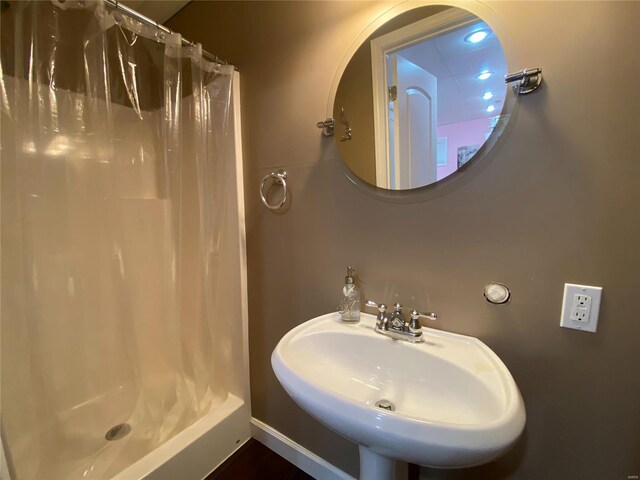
(114, 142)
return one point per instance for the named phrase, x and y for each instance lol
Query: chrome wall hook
(526, 81)
(327, 126)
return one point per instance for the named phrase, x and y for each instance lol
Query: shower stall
(124, 311)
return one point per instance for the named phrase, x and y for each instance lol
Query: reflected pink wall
(458, 135)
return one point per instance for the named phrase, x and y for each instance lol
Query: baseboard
(295, 453)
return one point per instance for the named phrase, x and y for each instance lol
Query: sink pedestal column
(374, 466)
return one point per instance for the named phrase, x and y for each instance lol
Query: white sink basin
(456, 404)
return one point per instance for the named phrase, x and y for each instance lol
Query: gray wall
(557, 203)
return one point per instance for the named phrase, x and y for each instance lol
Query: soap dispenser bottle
(350, 305)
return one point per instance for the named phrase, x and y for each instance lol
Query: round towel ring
(280, 178)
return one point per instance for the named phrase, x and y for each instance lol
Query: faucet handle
(380, 306)
(415, 315)
(414, 323)
(382, 321)
(397, 307)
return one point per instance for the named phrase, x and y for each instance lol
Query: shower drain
(385, 405)
(117, 432)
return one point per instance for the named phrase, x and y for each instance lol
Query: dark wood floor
(254, 461)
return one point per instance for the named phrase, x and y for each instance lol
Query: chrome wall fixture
(497, 293)
(327, 126)
(525, 81)
(279, 178)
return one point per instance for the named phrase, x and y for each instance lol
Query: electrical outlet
(580, 307)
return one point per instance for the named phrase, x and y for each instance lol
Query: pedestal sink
(449, 402)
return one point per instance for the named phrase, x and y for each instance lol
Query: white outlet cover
(590, 324)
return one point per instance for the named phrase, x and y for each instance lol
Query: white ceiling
(456, 64)
(158, 10)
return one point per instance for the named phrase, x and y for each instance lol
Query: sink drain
(117, 432)
(385, 405)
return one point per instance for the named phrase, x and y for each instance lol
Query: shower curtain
(113, 152)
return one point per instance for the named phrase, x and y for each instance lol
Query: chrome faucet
(396, 320)
(396, 326)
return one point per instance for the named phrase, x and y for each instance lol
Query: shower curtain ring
(280, 178)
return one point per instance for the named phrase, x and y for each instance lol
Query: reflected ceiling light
(477, 36)
(487, 96)
(490, 108)
(483, 75)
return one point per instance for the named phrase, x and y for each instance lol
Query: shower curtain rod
(115, 4)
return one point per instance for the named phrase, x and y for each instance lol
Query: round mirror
(421, 98)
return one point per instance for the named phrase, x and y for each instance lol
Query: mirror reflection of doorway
(442, 78)
(412, 124)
